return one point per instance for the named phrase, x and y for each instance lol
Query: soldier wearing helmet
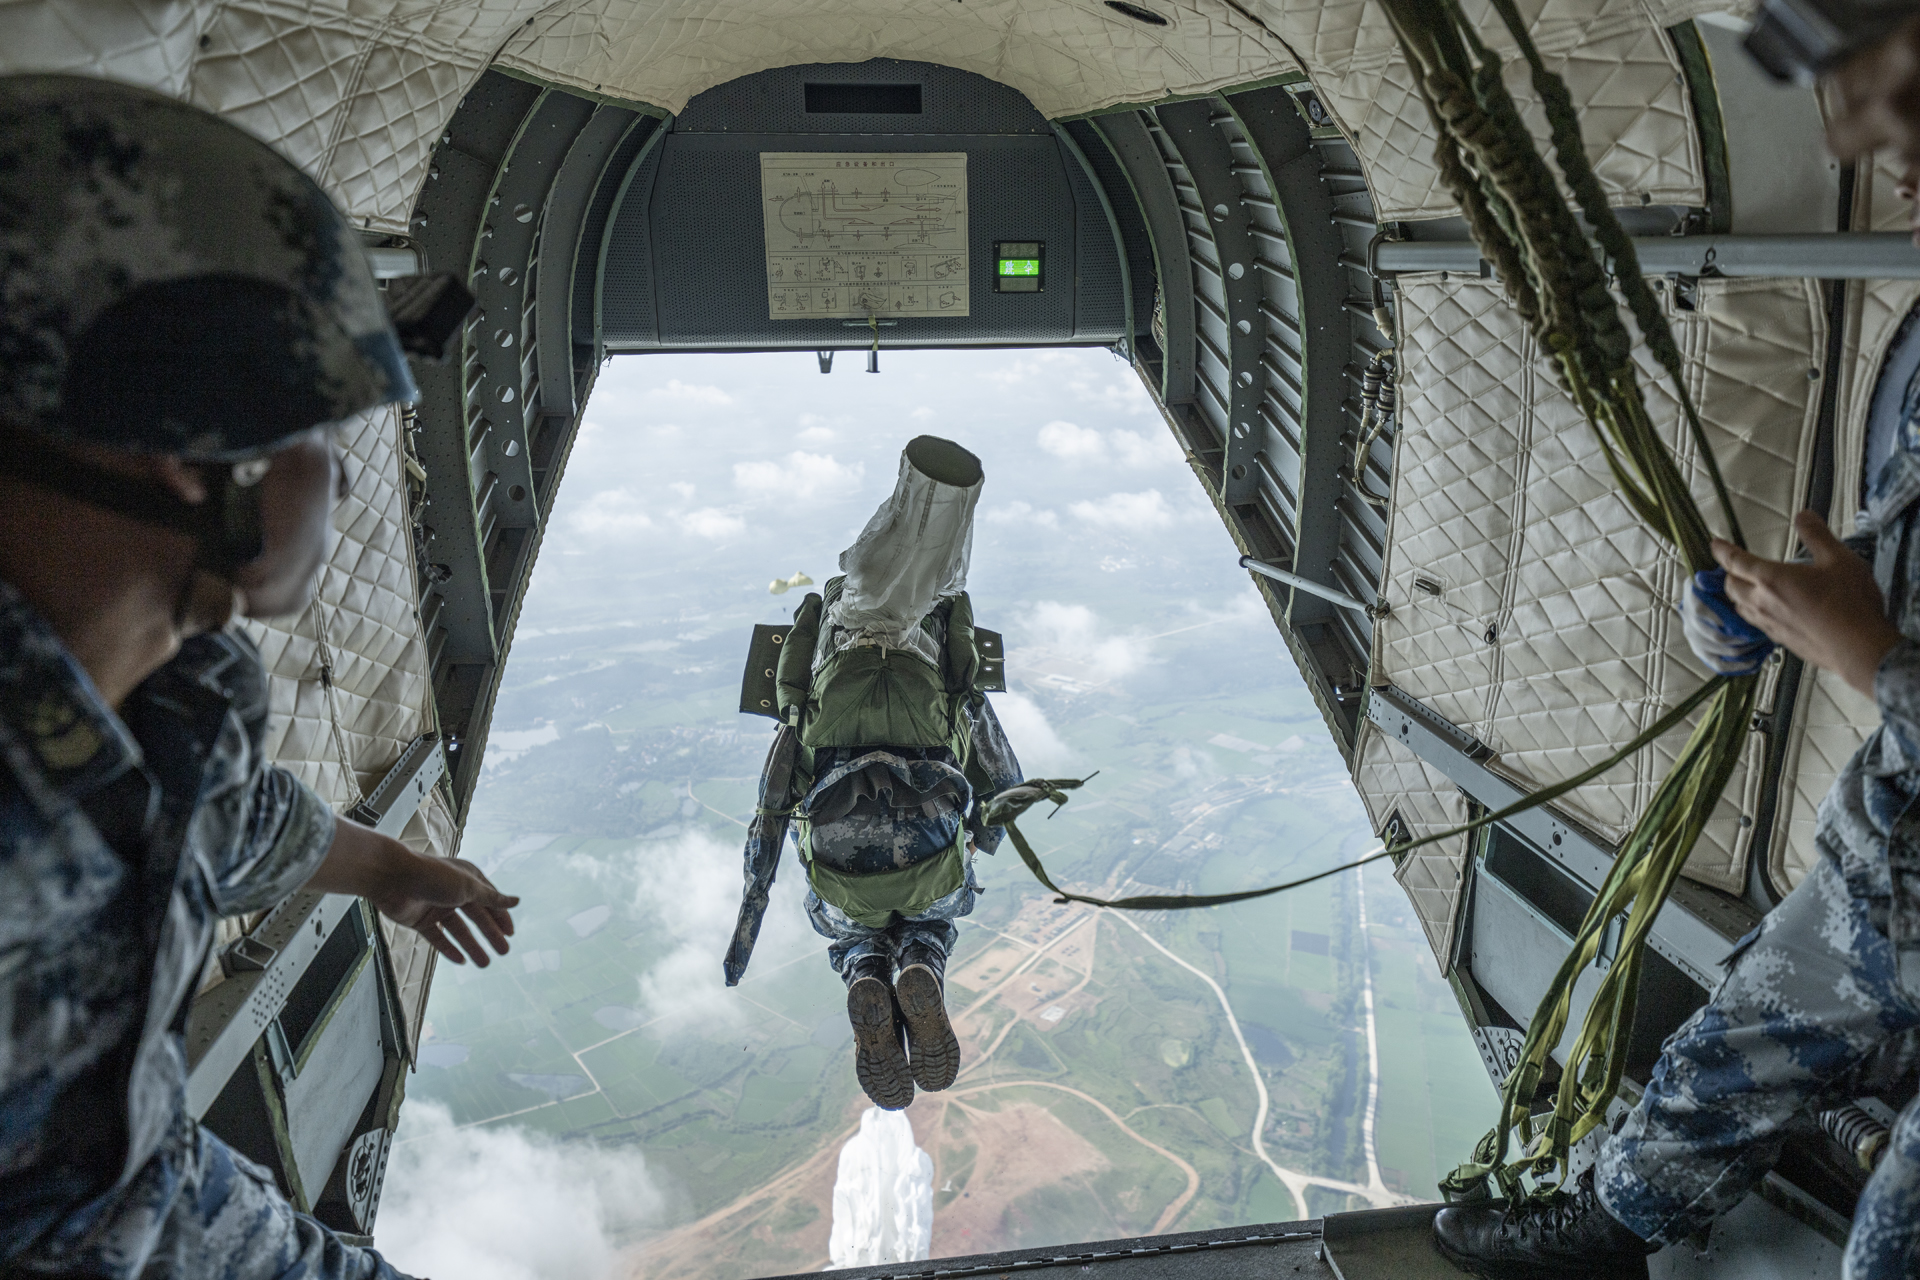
(183, 314)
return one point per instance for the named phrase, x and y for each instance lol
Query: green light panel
(1019, 266)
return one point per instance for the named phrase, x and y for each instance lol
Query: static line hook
(873, 353)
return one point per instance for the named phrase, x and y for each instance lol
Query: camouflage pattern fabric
(990, 766)
(885, 809)
(848, 940)
(122, 840)
(205, 1213)
(1821, 1003)
(171, 284)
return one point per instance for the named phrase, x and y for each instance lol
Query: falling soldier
(886, 753)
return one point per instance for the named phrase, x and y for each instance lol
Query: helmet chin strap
(226, 527)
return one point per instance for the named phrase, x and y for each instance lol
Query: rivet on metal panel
(1220, 213)
(1240, 471)
(1244, 326)
(1235, 270)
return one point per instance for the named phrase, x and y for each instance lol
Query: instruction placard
(858, 234)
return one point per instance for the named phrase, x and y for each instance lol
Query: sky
(697, 480)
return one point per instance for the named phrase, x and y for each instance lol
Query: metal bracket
(393, 802)
(1696, 926)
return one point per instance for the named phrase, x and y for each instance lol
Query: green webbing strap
(1005, 808)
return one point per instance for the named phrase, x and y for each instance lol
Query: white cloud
(1020, 513)
(692, 393)
(1036, 745)
(1071, 441)
(611, 513)
(690, 889)
(714, 524)
(923, 413)
(818, 435)
(1130, 511)
(508, 1203)
(682, 490)
(1075, 635)
(799, 476)
(1155, 449)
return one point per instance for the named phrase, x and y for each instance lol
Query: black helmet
(171, 284)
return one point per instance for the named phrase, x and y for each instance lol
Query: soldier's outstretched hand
(1828, 612)
(442, 899)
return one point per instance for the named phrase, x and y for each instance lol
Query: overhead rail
(1878, 255)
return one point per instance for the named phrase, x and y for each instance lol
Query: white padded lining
(1615, 57)
(356, 92)
(1831, 719)
(1391, 779)
(1503, 501)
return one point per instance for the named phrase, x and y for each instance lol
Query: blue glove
(1717, 634)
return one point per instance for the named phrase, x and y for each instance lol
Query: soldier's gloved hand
(1717, 634)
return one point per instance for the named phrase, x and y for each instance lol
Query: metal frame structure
(1257, 279)
(297, 1058)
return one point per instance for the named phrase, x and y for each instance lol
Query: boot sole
(1613, 1269)
(878, 1062)
(935, 1049)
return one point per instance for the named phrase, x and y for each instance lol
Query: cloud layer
(505, 1203)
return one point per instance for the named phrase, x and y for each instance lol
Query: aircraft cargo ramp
(1757, 1241)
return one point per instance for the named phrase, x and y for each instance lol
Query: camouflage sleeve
(991, 767)
(284, 837)
(1896, 688)
(762, 855)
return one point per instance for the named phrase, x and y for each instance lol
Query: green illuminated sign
(1019, 266)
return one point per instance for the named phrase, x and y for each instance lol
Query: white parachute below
(780, 586)
(883, 1196)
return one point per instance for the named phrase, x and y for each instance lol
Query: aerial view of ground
(1123, 1073)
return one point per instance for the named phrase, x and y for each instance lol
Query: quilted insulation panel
(1393, 781)
(1831, 720)
(1529, 605)
(356, 92)
(1614, 55)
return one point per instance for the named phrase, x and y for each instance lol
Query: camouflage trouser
(848, 940)
(1811, 1013)
(198, 1210)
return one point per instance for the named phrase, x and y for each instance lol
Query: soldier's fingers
(1740, 564)
(438, 941)
(489, 928)
(457, 930)
(1818, 538)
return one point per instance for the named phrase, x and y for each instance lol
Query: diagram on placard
(858, 234)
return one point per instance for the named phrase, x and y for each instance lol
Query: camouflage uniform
(122, 840)
(1822, 1002)
(901, 841)
(168, 285)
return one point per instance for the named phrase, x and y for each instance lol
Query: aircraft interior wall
(1216, 194)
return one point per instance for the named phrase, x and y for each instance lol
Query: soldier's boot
(879, 1056)
(1572, 1237)
(921, 987)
